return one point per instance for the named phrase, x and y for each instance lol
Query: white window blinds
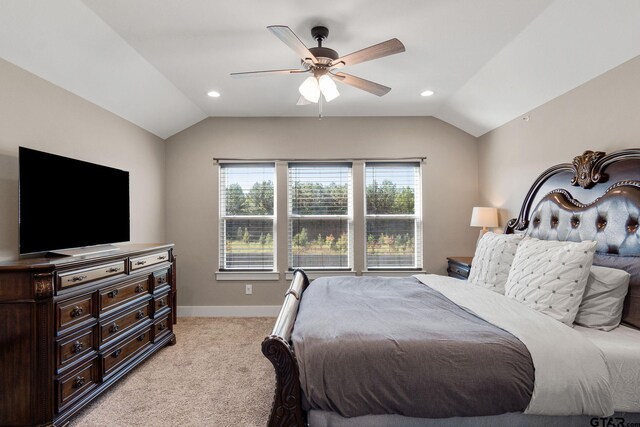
(247, 216)
(393, 215)
(320, 216)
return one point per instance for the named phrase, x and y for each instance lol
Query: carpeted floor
(216, 376)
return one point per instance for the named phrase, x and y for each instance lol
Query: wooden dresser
(71, 327)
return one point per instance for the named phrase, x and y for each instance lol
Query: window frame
(418, 257)
(349, 217)
(223, 217)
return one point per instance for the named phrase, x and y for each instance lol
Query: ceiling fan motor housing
(323, 54)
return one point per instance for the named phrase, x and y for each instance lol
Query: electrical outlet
(248, 289)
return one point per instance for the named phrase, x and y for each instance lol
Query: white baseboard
(228, 311)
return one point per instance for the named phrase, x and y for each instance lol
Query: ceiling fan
(323, 63)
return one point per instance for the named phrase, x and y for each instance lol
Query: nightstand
(459, 266)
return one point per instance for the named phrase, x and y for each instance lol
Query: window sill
(254, 276)
(314, 274)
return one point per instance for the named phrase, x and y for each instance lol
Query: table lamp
(485, 218)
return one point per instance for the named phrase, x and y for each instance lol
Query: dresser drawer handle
(113, 270)
(162, 258)
(162, 302)
(162, 326)
(161, 280)
(114, 328)
(113, 293)
(77, 347)
(116, 353)
(78, 382)
(140, 262)
(140, 314)
(78, 278)
(141, 337)
(139, 289)
(76, 311)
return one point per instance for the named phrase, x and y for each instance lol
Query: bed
(433, 350)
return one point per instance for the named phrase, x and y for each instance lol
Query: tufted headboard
(596, 197)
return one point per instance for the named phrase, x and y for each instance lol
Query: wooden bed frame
(602, 188)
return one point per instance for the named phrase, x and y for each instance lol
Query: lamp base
(483, 230)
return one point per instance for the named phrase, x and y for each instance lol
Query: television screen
(67, 203)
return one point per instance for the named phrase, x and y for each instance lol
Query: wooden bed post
(287, 401)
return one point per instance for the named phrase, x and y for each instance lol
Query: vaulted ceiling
(152, 62)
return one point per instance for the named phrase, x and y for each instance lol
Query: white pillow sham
(492, 260)
(550, 276)
(603, 299)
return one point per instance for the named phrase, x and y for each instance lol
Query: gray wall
(602, 114)
(450, 187)
(37, 114)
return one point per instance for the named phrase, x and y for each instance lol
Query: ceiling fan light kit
(310, 89)
(328, 88)
(323, 63)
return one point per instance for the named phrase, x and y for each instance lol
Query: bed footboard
(287, 406)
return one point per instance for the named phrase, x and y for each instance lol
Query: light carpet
(215, 375)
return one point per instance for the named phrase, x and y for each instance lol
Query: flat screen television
(67, 203)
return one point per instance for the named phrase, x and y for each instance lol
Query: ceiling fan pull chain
(320, 108)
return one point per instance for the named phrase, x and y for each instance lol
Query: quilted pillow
(492, 260)
(550, 276)
(601, 305)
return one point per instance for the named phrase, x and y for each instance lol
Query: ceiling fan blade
(289, 38)
(366, 85)
(266, 73)
(390, 47)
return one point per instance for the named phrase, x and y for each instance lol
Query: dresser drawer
(74, 312)
(161, 327)
(117, 325)
(79, 277)
(121, 293)
(73, 348)
(125, 351)
(161, 302)
(148, 260)
(161, 280)
(75, 384)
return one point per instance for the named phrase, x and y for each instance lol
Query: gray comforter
(370, 345)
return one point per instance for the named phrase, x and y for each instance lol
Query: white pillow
(550, 276)
(601, 305)
(492, 260)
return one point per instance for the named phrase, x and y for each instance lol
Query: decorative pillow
(631, 264)
(550, 276)
(492, 260)
(601, 305)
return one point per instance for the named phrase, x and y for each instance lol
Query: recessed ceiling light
(427, 93)
(214, 94)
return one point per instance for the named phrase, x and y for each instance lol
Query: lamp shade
(328, 88)
(484, 217)
(310, 90)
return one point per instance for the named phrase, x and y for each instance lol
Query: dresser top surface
(48, 262)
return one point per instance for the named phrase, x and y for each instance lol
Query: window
(247, 216)
(392, 215)
(320, 216)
